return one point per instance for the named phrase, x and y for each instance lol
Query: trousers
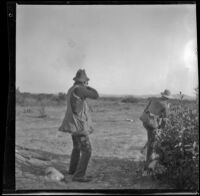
(150, 142)
(80, 156)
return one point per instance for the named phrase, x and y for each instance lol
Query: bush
(130, 100)
(178, 147)
(19, 97)
(110, 98)
(30, 99)
(42, 110)
(62, 96)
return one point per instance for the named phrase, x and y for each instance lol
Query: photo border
(9, 145)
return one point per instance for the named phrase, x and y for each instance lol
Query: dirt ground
(116, 161)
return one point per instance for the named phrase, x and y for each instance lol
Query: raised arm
(86, 92)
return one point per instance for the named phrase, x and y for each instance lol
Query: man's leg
(75, 155)
(143, 148)
(86, 150)
(151, 139)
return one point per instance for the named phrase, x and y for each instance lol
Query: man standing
(153, 117)
(77, 121)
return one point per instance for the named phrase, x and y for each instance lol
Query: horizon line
(106, 94)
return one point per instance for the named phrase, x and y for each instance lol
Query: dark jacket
(158, 107)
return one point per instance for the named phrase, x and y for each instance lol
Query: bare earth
(116, 160)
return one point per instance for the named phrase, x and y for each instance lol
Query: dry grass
(116, 143)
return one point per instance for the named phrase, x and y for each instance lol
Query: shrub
(42, 110)
(30, 101)
(197, 95)
(110, 98)
(130, 100)
(62, 96)
(19, 97)
(178, 147)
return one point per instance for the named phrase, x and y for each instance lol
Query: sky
(124, 49)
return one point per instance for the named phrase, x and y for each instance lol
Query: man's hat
(166, 94)
(81, 76)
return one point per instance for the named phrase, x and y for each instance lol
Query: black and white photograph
(106, 97)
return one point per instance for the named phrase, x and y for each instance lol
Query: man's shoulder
(157, 102)
(70, 89)
(154, 100)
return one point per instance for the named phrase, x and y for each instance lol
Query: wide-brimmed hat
(166, 94)
(81, 76)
